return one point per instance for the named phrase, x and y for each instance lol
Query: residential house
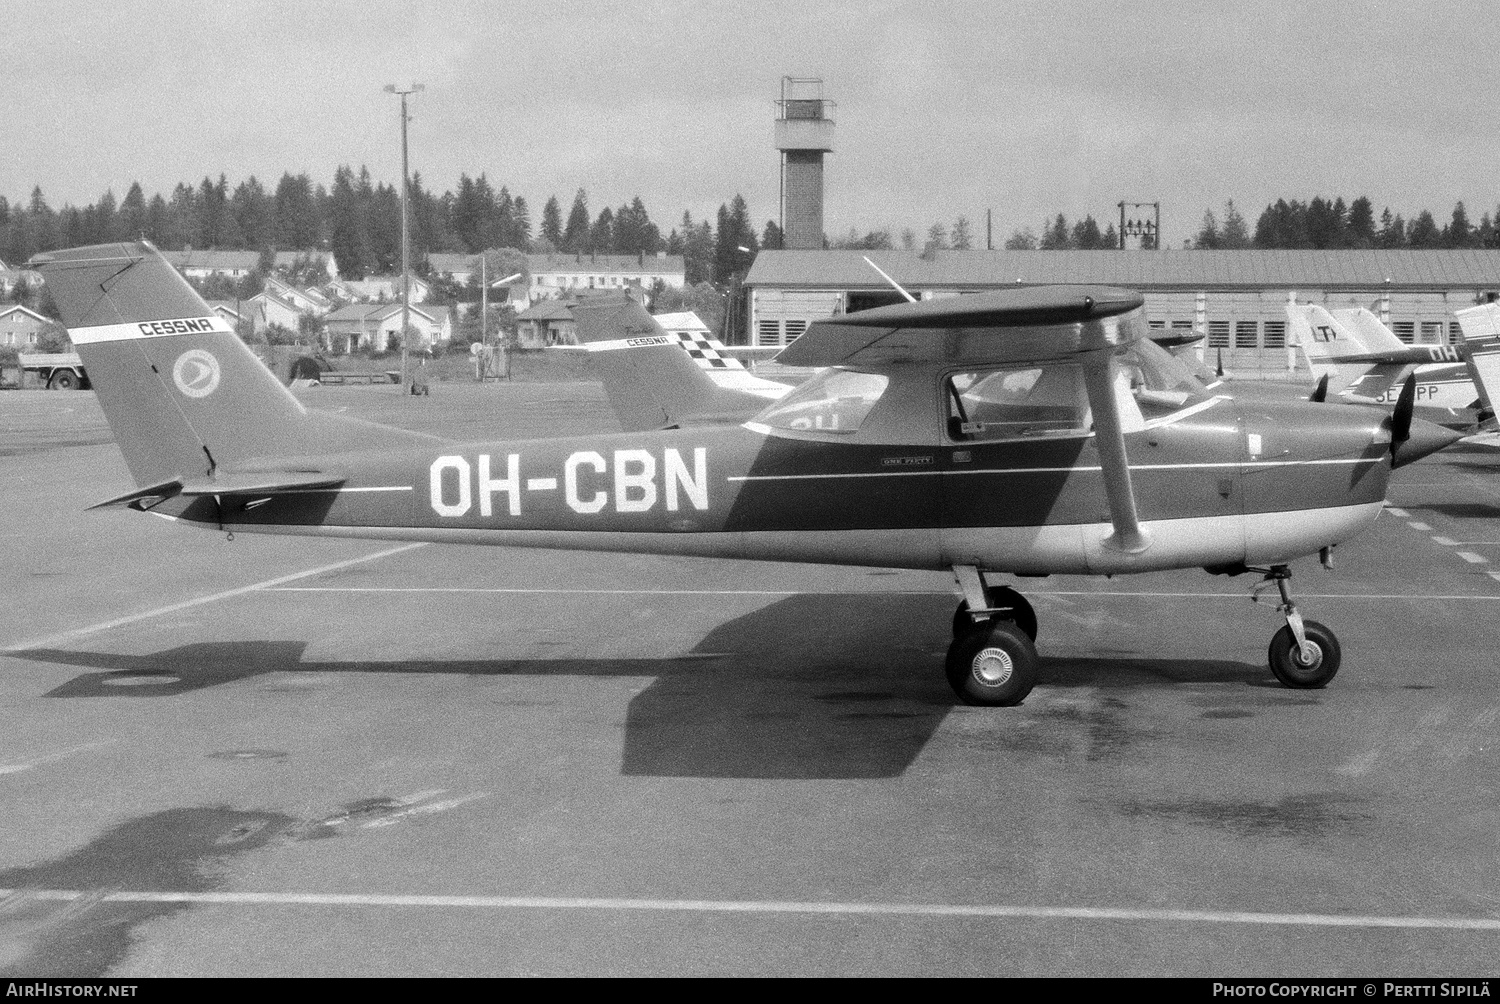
(267, 308)
(307, 301)
(373, 325)
(465, 268)
(547, 322)
(19, 326)
(286, 261)
(232, 311)
(561, 275)
(238, 264)
(378, 288)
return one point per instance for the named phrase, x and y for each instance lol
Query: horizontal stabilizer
(259, 483)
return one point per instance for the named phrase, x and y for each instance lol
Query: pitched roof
(547, 310)
(1249, 269)
(626, 263)
(6, 309)
(216, 260)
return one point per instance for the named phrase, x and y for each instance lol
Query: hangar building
(1236, 299)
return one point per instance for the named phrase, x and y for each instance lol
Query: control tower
(804, 133)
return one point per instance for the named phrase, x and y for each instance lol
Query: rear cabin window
(834, 401)
(1015, 403)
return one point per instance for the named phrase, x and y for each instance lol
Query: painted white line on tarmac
(1472, 558)
(16, 768)
(1419, 526)
(65, 636)
(766, 906)
(1398, 513)
(864, 592)
(1445, 541)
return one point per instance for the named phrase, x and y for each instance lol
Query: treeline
(1292, 225)
(359, 221)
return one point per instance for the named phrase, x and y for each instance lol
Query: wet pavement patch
(179, 850)
(1293, 816)
(1228, 713)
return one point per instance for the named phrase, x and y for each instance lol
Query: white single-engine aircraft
(1034, 431)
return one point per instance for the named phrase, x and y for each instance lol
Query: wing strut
(1109, 434)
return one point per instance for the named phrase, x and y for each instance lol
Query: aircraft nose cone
(1426, 437)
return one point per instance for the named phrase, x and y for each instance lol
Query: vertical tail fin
(1479, 330)
(1368, 331)
(1339, 345)
(182, 393)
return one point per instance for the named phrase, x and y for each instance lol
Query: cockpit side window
(1027, 402)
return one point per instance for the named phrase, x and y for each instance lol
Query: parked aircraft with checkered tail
(1029, 432)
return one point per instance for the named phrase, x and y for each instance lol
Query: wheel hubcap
(993, 666)
(1309, 656)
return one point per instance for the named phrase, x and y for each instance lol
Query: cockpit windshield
(833, 401)
(1159, 381)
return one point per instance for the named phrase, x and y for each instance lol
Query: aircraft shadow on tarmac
(812, 686)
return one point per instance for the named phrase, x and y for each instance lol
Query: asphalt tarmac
(285, 756)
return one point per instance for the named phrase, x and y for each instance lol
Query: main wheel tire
(992, 664)
(1002, 598)
(64, 380)
(1286, 660)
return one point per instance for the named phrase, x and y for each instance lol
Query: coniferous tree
(575, 236)
(1055, 236)
(734, 233)
(1459, 233)
(601, 238)
(1234, 233)
(1085, 235)
(1361, 223)
(132, 222)
(552, 231)
(1424, 232)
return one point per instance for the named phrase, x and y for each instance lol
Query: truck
(55, 370)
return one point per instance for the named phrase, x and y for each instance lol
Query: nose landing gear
(1304, 655)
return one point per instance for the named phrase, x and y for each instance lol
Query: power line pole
(405, 237)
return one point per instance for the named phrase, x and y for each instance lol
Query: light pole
(405, 247)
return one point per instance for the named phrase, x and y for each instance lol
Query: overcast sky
(1026, 108)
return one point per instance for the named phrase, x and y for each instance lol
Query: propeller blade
(1219, 369)
(1320, 393)
(1401, 417)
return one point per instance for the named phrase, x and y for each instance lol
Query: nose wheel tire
(1306, 669)
(1011, 604)
(992, 663)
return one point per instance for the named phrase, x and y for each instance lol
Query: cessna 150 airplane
(1032, 432)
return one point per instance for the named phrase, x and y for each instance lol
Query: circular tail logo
(196, 373)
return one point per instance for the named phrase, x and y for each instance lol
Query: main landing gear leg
(1304, 655)
(992, 660)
